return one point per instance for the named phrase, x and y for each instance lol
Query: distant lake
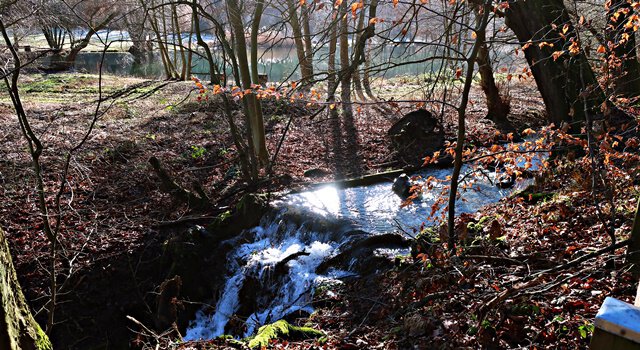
(279, 63)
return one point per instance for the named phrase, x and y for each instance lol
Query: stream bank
(429, 302)
(123, 219)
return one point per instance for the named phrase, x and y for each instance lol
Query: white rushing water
(315, 223)
(271, 243)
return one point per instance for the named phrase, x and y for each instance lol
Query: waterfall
(274, 267)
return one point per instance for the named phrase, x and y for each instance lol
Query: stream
(276, 265)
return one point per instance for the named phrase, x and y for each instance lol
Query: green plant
(197, 152)
(223, 151)
(586, 329)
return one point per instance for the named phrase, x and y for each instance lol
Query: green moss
(282, 329)
(484, 220)
(428, 234)
(42, 341)
(478, 227)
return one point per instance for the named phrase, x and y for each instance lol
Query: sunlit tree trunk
(357, 83)
(255, 27)
(252, 106)
(345, 74)
(245, 164)
(332, 79)
(18, 328)
(497, 108)
(178, 32)
(462, 110)
(308, 45)
(164, 52)
(366, 81)
(190, 52)
(305, 72)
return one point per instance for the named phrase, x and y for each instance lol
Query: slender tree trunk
(190, 52)
(305, 73)
(308, 45)
(215, 79)
(345, 74)
(497, 108)
(55, 37)
(366, 81)
(623, 60)
(357, 83)
(35, 147)
(462, 110)
(253, 108)
(332, 79)
(558, 80)
(155, 27)
(255, 28)
(177, 31)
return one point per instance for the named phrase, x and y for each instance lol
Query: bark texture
(18, 328)
(623, 61)
(561, 81)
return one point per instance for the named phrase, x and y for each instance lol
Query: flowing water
(276, 265)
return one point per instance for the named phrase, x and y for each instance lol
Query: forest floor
(116, 210)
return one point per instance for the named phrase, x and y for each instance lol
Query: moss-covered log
(18, 328)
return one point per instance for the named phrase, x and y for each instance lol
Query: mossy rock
(283, 330)
(424, 241)
(477, 227)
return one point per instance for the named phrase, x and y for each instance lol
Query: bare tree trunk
(357, 84)
(61, 61)
(345, 74)
(55, 36)
(497, 108)
(308, 45)
(255, 27)
(139, 45)
(252, 108)
(366, 81)
(332, 79)
(177, 31)
(190, 52)
(235, 133)
(164, 53)
(462, 110)
(305, 72)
